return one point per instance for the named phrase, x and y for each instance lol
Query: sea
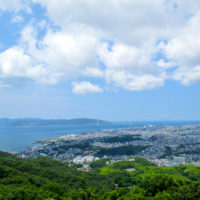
(19, 138)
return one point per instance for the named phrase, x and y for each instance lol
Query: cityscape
(162, 145)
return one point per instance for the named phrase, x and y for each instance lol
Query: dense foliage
(123, 150)
(123, 138)
(48, 179)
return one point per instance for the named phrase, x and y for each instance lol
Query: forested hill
(48, 122)
(47, 179)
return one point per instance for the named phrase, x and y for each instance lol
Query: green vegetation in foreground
(48, 179)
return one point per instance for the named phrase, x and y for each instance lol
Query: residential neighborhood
(162, 145)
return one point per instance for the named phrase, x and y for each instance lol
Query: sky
(115, 60)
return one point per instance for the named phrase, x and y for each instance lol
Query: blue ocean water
(18, 138)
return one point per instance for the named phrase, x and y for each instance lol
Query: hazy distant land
(49, 122)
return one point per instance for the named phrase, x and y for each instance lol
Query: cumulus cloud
(118, 20)
(133, 82)
(82, 88)
(57, 56)
(185, 47)
(165, 64)
(184, 50)
(129, 58)
(15, 63)
(129, 44)
(93, 72)
(14, 5)
(187, 76)
(68, 53)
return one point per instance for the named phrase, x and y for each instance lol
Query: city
(162, 145)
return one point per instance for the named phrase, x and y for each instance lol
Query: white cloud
(121, 56)
(129, 58)
(184, 50)
(124, 21)
(14, 5)
(93, 72)
(61, 52)
(17, 19)
(187, 76)
(68, 52)
(134, 27)
(164, 64)
(57, 56)
(185, 47)
(133, 82)
(13, 62)
(82, 88)
(114, 40)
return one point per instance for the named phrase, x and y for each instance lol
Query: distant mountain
(49, 122)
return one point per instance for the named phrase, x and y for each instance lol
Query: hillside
(45, 178)
(49, 122)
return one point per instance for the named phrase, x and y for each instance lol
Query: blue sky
(113, 60)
